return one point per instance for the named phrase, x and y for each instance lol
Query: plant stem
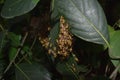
(2, 28)
(76, 76)
(114, 73)
(24, 56)
(21, 71)
(22, 43)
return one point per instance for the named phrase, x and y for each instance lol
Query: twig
(21, 71)
(33, 43)
(106, 69)
(22, 43)
(117, 24)
(114, 73)
(76, 76)
(27, 54)
(2, 28)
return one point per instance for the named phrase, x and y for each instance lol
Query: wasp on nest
(63, 42)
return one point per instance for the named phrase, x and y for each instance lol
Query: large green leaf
(115, 46)
(85, 17)
(25, 71)
(13, 8)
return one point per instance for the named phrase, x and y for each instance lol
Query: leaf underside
(85, 17)
(32, 71)
(13, 8)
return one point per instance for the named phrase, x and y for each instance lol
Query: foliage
(86, 20)
(57, 40)
(17, 7)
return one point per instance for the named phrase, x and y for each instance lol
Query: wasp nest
(63, 42)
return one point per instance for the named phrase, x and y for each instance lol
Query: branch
(22, 43)
(114, 73)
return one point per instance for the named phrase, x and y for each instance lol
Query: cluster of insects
(63, 45)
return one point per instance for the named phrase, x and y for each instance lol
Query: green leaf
(111, 29)
(13, 8)
(12, 53)
(15, 39)
(26, 50)
(115, 44)
(85, 17)
(25, 71)
(115, 47)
